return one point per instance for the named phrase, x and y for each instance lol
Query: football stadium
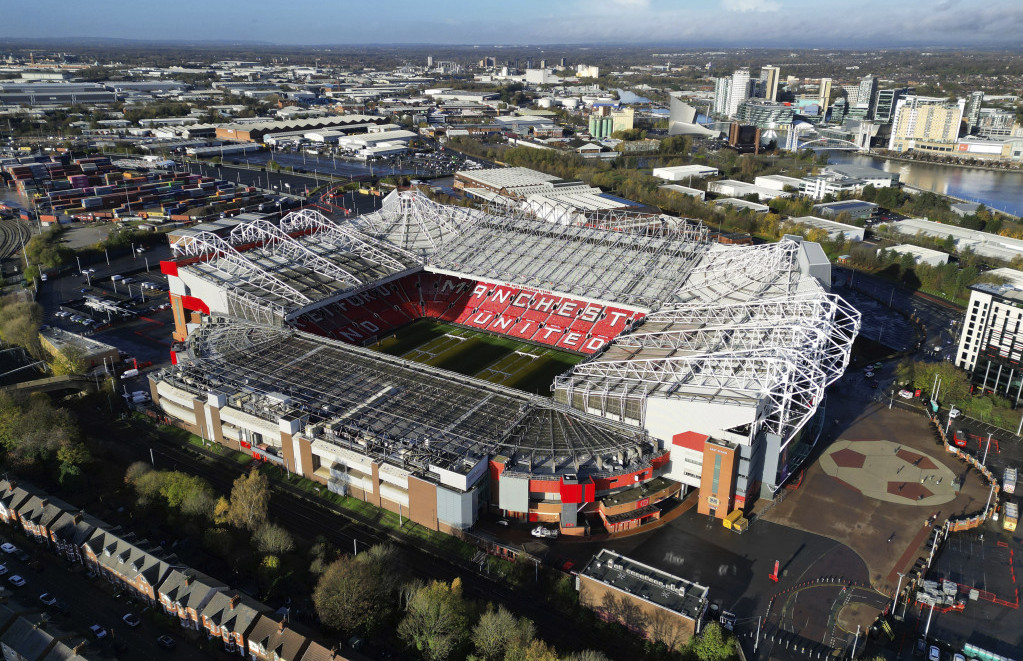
(446, 362)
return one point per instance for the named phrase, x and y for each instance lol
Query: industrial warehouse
(702, 365)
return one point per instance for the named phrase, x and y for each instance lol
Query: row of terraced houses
(247, 627)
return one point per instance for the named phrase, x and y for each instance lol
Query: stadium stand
(544, 318)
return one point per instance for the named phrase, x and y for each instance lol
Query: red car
(959, 438)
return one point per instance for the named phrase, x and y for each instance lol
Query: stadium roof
(643, 266)
(784, 348)
(740, 324)
(410, 414)
(273, 272)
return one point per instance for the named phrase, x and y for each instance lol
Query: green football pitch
(493, 358)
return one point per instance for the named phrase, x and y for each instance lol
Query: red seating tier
(526, 314)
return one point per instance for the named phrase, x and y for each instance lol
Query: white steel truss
(233, 270)
(412, 221)
(750, 271)
(785, 350)
(271, 239)
(347, 238)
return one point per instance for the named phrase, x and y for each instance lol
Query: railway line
(13, 234)
(294, 509)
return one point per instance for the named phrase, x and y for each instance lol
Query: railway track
(13, 233)
(296, 510)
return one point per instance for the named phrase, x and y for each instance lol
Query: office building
(926, 122)
(664, 607)
(769, 76)
(886, 100)
(973, 105)
(764, 114)
(738, 91)
(721, 89)
(867, 96)
(921, 255)
(990, 344)
(824, 95)
(857, 209)
(429, 60)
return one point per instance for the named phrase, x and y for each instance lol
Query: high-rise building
(562, 63)
(990, 341)
(765, 114)
(868, 94)
(769, 77)
(924, 119)
(824, 95)
(429, 60)
(973, 105)
(738, 91)
(721, 88)
(886, 100)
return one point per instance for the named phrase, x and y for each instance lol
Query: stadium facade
(703, 364)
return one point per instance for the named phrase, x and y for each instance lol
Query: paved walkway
(889, 472)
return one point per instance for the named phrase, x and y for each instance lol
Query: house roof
(276, 639)
(188, 587)
(234, 610)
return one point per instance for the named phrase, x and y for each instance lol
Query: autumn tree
(347, 596)
(250, 496)
(435, 622)
(498, 630)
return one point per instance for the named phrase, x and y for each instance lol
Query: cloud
(751, 5)
(632, 4)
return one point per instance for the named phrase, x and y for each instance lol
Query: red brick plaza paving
(853, 502)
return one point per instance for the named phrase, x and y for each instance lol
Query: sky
(698, 23)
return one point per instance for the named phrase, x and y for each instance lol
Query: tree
(435, 620)
(72, 456)
(347, 596)
(536, 650)
(587, 655)
(250, 495)
(136, 471)
(714, 644)
(69, 359)
(497, 630)
(272, 539)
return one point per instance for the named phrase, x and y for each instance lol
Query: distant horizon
(62, 43)
(799, 24)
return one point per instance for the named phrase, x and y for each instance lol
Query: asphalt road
(89, 602)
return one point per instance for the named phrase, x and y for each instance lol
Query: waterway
(997, 190)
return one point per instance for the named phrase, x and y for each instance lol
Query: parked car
(166, 642)
(933, 654)
(953, 413)
(131, 619)
(98, 632)
(47, 599)
(16, 581)
(540, 531)
(7, 547)
(3, 570)
(905, 394)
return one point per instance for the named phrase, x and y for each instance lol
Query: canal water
(997, 190)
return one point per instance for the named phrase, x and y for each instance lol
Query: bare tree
(272, 539)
